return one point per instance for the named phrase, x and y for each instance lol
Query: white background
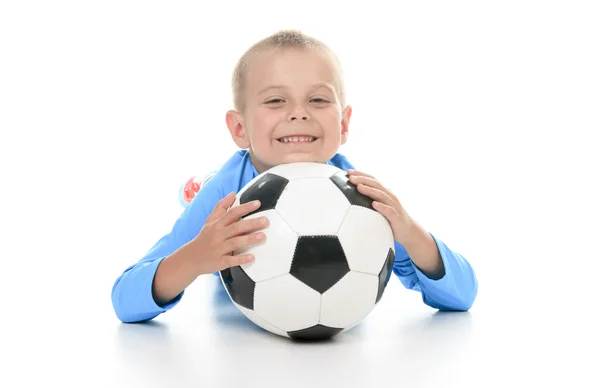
(483, 117)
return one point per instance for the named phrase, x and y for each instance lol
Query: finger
(353, 172)
(376, 194)
(234, 214)
(228, 261)
(368, 181)
(221, 207)
(235, 243)
(386, 210)
(244, 226)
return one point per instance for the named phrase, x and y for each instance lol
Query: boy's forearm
(423, 251)
(173, 275)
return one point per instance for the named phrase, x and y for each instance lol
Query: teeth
(296, 139)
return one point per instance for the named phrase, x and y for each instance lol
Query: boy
(289, 107)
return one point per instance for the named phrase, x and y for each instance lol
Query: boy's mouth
(297, 139)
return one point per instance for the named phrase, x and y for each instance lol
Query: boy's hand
(385, 202)
(223, 233)
(419, 244)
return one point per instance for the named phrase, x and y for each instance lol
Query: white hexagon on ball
(287, 303)
(257, 320)
(349, 301)
(273, 256)
(305, 200)
(366, 237)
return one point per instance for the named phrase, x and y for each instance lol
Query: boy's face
(292, 110)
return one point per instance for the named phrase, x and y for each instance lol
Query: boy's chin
(296, 158)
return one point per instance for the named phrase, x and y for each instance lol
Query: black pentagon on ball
(314, 333)
(385, 273)
(319, 262)
(240, 286)
(267, 190)
(350, 191)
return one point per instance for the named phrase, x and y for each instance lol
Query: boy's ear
(237, 129)
(346, 114)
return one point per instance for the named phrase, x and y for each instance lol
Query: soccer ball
(327, 256)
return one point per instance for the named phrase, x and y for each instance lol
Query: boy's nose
(296, 117)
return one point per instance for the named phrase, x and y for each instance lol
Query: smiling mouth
(297, 139)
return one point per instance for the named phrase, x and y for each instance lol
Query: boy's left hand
(386, 203)
(420, 245)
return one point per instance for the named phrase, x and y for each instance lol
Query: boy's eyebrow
(313, 86)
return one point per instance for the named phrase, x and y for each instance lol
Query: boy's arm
(455, 289)
(132, 293)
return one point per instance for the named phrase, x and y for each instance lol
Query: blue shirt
(132, 291)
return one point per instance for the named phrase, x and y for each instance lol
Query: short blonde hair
(281, 40)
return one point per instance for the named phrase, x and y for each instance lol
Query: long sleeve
(132, 291)
(456, 290)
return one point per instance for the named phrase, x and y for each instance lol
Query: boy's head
(289, 100)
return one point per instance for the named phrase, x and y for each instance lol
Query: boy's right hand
(223, 233)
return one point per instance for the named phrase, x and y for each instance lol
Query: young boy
(289, 107)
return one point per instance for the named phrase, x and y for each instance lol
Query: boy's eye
(279, 101)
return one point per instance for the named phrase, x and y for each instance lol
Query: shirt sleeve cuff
(141, 305)
(443, 250)
(456, 289)
(148, 286)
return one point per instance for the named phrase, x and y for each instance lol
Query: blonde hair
(281, 40)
